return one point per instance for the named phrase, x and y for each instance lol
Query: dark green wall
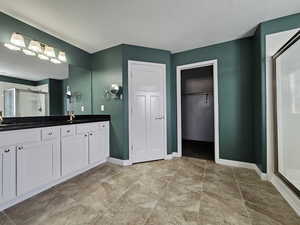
(137, 53)
(17, 80)
(111, 66)
(265, 28)
(235, 84)
(106, 70)
(80, 81)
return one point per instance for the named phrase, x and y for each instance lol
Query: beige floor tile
(183, 191)
(5, 220)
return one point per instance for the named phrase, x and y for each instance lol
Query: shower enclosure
(25, 102)
(286, 89)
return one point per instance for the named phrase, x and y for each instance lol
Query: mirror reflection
(30, 86)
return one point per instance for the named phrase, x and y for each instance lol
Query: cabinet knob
(85, 135)
(50, 133)
(7, 150)
(91, 134)
(68, 131)
(20, 148)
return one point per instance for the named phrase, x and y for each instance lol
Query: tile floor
(183, 191)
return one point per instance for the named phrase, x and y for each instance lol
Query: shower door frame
(284, 48)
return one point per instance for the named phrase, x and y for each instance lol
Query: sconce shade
(17, 39)
(49, 51)
(43, 57)
(28, 52)
(62, 56)
(12, 47)
(55, 61)
(35, 46)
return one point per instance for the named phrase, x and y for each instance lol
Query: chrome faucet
(71, 115)
(1, 117)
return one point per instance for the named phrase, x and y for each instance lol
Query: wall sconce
(115, 91)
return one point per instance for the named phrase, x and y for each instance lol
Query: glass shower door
(287, 112)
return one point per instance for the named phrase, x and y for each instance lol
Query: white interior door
(147, 111)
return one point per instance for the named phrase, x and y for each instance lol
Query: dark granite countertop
(19, 123)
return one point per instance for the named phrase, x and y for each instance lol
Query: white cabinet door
(35, 166)
(99, 144)
(74, 153)
(7, 174)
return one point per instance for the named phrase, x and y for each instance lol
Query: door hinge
(131, 147)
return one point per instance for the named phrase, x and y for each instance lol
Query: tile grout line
(8, 217)
(241, 194)
(121, 195)
(151, 211)
(202, 191)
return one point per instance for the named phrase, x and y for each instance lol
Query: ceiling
(174, 25)
(29, 67)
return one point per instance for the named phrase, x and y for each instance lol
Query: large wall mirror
(30, 86)
(286, 90)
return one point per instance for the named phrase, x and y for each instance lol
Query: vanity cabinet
(74, 151)
(36, 165)
(99, 143)
(7, 173)
(33, 160)
(87, 144)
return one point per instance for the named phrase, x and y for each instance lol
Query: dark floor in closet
(198, 149)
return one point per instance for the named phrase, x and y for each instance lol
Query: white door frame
(163, 66)
(213, 63)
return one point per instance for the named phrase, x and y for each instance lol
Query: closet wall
(197, 104)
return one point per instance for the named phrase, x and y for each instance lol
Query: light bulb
(17, 39)
(43, 57)
(12, 47)
(28, 52)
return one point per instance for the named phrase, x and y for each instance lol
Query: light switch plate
(102, 108)
(82, 108)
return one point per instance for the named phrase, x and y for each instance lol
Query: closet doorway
(197, 110)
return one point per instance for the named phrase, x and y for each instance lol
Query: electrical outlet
(102, 108)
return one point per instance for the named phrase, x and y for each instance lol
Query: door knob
(159, 117)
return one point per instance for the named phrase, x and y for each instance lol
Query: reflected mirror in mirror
(30, 86)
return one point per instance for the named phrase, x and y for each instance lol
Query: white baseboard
(246, 165)
(119, 161)
(172, 155)
(262, 175)
(234, 163)
(288, 195)
(176, 154)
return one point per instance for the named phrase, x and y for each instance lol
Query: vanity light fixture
(17, 39)
(55, 61)
(28, 52)
(12, 47)
(42, 50)
(43, 57)
(35, 46)
(62, 56)
(49, 51)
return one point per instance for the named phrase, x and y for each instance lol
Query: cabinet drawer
(91, 127)
(67, 131)
(103, 125)
(50, 133)
(87, 127)
(20, 137)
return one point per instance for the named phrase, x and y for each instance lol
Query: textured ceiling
(174, 25)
